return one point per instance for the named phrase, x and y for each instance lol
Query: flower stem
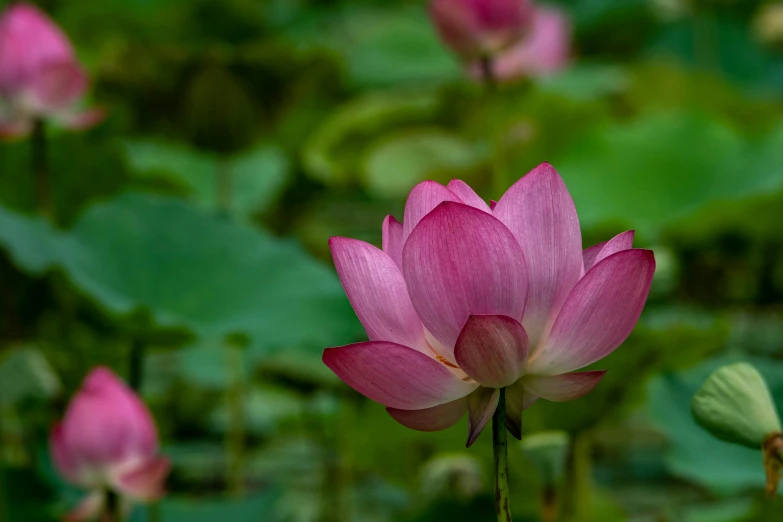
(500, 447)
(112, 509)
(40, 167)
(499, 177)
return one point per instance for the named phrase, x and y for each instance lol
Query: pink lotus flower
(480, 28)
(40, 77)
(465, 299)
(108, 440)
(546, 49)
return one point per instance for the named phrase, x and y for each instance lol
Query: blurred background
(217, 298)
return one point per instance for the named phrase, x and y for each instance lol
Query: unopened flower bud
(481, 28)
(734, 404)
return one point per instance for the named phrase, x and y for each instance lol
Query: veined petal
(540, 213)
(392, 240)
(460, 262)
(618, 243)
(377, 292)
(423, 198)
(146, 481)
(395, 375)
(467, 195)
(563, 387)
(517, 400)
(589, 255)
(482, 404)
(600, 313)
(492, 349)
(431, 419)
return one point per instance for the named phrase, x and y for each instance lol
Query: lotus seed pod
(547, 451)
(734, 404)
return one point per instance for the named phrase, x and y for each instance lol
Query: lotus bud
(480, 28)
(40, 76)
(108, 441)
(735, 405)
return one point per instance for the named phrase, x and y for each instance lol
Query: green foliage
(257, 176)
(664, 166)
(141, 252)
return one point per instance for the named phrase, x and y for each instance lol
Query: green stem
(499, 174)
(112, 509)
(500, 452)
(549, 503)
(235, 432)
(40, 167)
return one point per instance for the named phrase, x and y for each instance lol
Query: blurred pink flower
(40, 77)
(465, 299)
(108, 440)
(546, 49)
(480, 28)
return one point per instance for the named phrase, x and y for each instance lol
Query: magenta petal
(431, 419)
(395, 376)
(482, 404)
(58, 85)
(467, 195)
(589, 255)
(492, 204)
(377, 292)
(146, 481)
(392, 240)
(618, 243)
(107, 423)
(600, 313)
(422, 199)
(517, 400)
(563, 387)
(540, 213)
(460, 262)
(62, 457)
(492, 349)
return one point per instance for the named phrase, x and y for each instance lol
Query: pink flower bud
(108, 439)
(544, 50)
(480, 28)
(40, 76)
